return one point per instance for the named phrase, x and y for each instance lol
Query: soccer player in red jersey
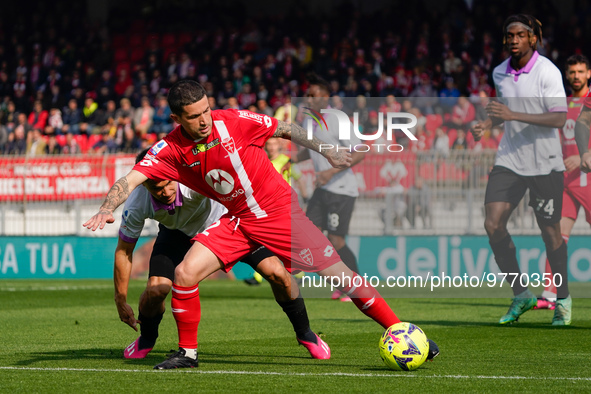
(577, 186)
(220, 155)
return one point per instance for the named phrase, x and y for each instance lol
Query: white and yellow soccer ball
(404, 347)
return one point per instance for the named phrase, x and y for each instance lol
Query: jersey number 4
(546, 206)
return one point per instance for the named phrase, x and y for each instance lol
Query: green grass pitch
(65, 336)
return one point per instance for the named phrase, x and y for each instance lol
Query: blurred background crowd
(71, 84)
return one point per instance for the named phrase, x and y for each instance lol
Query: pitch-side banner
(61, 177)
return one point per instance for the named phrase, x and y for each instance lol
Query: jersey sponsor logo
(158, 147)
(307, 257)
(200, 148)
(220, 181)
(229, 146)
(569, 129)
(194, 164)
(237, 193)
(251, 115)
(260, 119)
(328, 251)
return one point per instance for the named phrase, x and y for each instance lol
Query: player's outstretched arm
(582, 137)
(121, 275)
(296, 133)
(547, 119)
(119, 192)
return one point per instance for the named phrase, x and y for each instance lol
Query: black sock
(348, 258)
(149, 330)
(506, 258)
(298, 316)
(558, 260)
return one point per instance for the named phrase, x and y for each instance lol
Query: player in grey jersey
(532, 105)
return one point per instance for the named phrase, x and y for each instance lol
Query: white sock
(191, 353)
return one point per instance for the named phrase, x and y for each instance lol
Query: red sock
(186, 309)
(370, 302)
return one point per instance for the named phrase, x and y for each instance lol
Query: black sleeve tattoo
(582, 130)
(117, 195)
(297, 134)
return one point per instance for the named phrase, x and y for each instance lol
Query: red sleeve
(158, 163)
(256, 128)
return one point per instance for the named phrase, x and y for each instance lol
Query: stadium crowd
(70, 86)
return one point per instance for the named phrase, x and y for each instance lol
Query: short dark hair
(530, 21)
(577, 59)
(315, 79)
(182, 93)
(140, 156)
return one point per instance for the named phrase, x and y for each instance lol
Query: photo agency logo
(374, 141)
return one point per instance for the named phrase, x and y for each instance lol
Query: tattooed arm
(116, 196)
(296, 133)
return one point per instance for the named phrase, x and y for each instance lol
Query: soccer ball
(404, 347)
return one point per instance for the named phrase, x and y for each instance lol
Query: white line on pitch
(344, 374)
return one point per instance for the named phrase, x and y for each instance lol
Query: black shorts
(172, 245)
(331, 212)
(545, 192)
(168, 251)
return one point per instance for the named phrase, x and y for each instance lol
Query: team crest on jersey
(306, 255)
(229, 146)
(158, 147)
(200, 148)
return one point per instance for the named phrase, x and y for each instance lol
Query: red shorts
(290, 235)
(577, 193)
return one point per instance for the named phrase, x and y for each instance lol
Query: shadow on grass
(156, 357)
(77, 354)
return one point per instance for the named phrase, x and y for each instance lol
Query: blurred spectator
(54, 98)
(71, 146)
(286, 111)
(90, 116)
(448, 97)
(143, 117)
(9, 116)
(72, 117)
(246, 97)
(441, 143)
(161, 119)
(55, 122)
(38, 117)
(263, 108)
(460, 142)
(463, 114)
(53, 147)
(424, 96)
(123, 82)
(125, 110)
(131, 143)
(35, 144)
(17, 143)
(105, 145)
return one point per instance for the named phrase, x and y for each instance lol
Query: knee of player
(493, 226)
(276, 273)
(157, 291)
